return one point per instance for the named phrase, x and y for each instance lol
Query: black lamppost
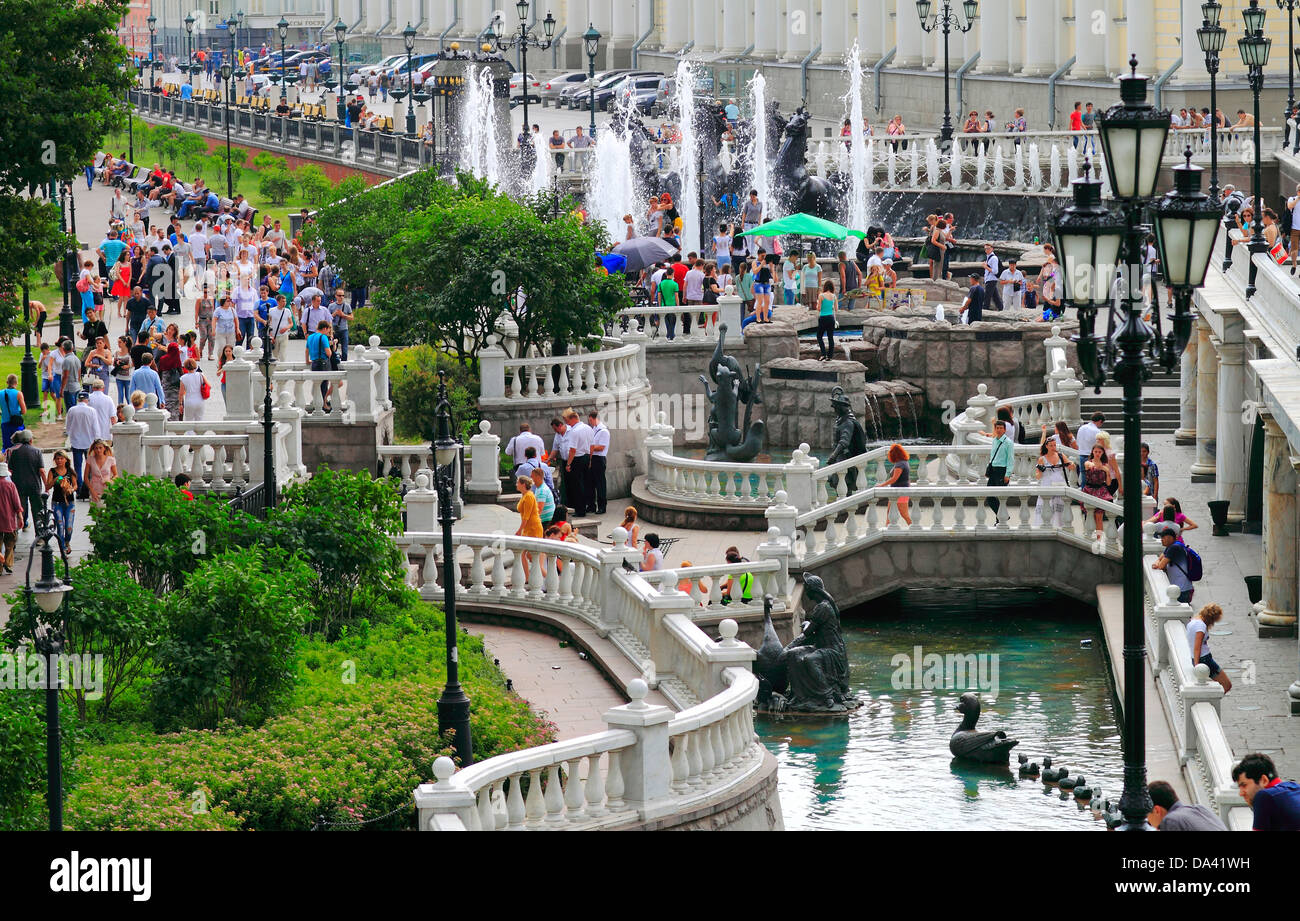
(523, 39)
(282, 29)
(239, 25)
(49, 594)
(453, 705)
(153, 64)
(340, 36)
(130, 127)
(268, 421)
(1289, 7)
(1093, 241)
(189, 47)
(226, 72)
(1211, 37)
(69, 265)
(948, 21)
(408, 39)
(31, 384)
(591, 43)
(1254, 47)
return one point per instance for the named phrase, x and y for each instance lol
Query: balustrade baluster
(554, 797)
(431, 583)
(614, 781)
(499, 572)
(487, 820)
(535, 803)
(694, 760)
(936, 514)
(873, 520)
(535, 584)
(476, 576)
(704, 736)
(516, 811)
(959, 514)
(595, 787)
(552, 578)
(573, 788)
(565, 587)
(1024, 512)
(518, 584)
(678, 760)
(832, 533)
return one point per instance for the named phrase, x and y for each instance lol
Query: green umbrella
(799, 225)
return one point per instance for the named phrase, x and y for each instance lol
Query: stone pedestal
(1186, 434)
(1230, 440)
(1207, 406)
(1281, 575)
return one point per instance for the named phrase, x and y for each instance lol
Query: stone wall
(948, 361)
(345, 447)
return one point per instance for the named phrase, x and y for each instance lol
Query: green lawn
(247, 183)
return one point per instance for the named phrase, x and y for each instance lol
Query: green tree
(61, 65)
(265, 160)
(414, 376)
(22, 757)
(314, 183)
(228, 646)
(275, 184)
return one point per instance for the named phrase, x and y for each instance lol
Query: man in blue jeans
(1000, 460)
(319, 351)
(1173, 561)
(342, 313)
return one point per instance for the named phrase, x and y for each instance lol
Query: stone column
(910, 39)
(799, 25)
(678, 17)
(1186, 434)
(735, 13)
(834, 34)
(1281, 578)
(1042, 21)
(1193, 69)
(871, 24)
(995, 36)
(1089, 39)
(767, 19)
(622, 22)
(647, 772)
(1142, 36)
(1207, 405)
(702, 27)
(1232, 435)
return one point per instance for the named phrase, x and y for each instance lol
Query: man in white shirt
(695, 284)
(992, 275)
(1293, 205)
(314, 315)
(279, 322)
(83, 425)
(1087, 437)
(519, 445)
(103, 404)
(1013, 281)
(599, 460)
(199, 249)
(577, 468)
(559, 456)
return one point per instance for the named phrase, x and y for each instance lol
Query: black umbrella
(643, 252)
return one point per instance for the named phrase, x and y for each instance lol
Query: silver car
(552, 88)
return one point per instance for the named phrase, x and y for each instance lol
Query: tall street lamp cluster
(340, 36)
(189, 48)
(454, 704)
(153, 63)
(524, 38)
(590, 44)
(1096, 245)
(1254, 47)
(948, 22)
(282, 29)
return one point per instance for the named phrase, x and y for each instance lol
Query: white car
(519, 83)
(392, 62)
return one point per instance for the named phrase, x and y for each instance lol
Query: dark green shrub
(228, 646)
(314, 183)
(413, 373)
(275, 184)
(22, 758)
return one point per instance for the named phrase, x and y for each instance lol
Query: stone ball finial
(731, 290)
(983, 389)
(422, 481)
(1056, 332)
(485, 427)
(728, 629)
(1202, 672)
(374, 342)
(1173, 593)
(128, 411)
(492, 340)
(805, 449)
(620, 536)
(151, 401)
(239, 352)
(662, 419)
(638, 690)
(774, 533)
(255, 345)
(443, 768)
(285, 399)
(782, 497)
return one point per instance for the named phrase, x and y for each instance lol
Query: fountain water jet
(859, 214)
(613, 192)
(759, 165)
(481, 155)
(1054, 168)
(689, 206)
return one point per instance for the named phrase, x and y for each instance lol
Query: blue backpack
(1194, 570)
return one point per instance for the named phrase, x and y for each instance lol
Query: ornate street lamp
(591, 44)
(239, 25)
(408, 39)
(30, 382)
(189, 47)
(948, 21)
(226, 72)
(340, 36)
(1254, 47)
(1187, 224)
(1289, 7)
(268, 420)
(454, 704)
(153, 63)
(282, 29)
(69, 262)
(1211, 37)
(524, 38)
(49, 594)
(1088, 238)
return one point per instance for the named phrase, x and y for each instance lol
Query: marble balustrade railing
(616, 370)
(1032, 412)
(870, 515)
(771, 577)
(650, 321)
(361, 385)
(713, 483)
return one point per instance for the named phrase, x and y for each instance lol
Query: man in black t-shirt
(137, 308)
(973, 306)
(140, 349)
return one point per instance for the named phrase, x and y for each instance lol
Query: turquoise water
(887, 766)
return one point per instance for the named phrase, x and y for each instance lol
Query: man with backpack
(1179, 562)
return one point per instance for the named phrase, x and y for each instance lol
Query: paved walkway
(1256, 715)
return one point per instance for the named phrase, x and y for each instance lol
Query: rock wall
(345, 447)
(947, 362)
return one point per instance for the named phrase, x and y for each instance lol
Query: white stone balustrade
(771, 577)
(616, 370)
(484, 463)
(218, 462)
(650, 322)
(712, 483)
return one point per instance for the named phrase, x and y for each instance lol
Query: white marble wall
(1207, 404)
(1281, 578)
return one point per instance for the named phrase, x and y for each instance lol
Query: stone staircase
(1161, 404)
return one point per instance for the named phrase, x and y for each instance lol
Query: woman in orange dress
(530, 519)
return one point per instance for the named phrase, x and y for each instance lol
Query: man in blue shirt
(264, 305)
(146, 379)
(733, 113)
(1274, 802)
(319, 352)
(1000, 459)
(110, 248)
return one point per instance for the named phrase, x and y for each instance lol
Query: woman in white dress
(1051, 472)
(192, 402)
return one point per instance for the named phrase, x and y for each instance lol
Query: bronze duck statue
(769, 664)
(985, 747)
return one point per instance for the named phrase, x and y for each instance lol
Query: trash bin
(1255, 589)
(1219, 515)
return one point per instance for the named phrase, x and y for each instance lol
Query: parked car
(389, 63)
(607, 88)
(666, 96)
(400, 77)
(638, 93)
(569, 96)
(552, 88)
(519, 83)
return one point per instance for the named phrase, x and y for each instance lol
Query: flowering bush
(360, 735)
